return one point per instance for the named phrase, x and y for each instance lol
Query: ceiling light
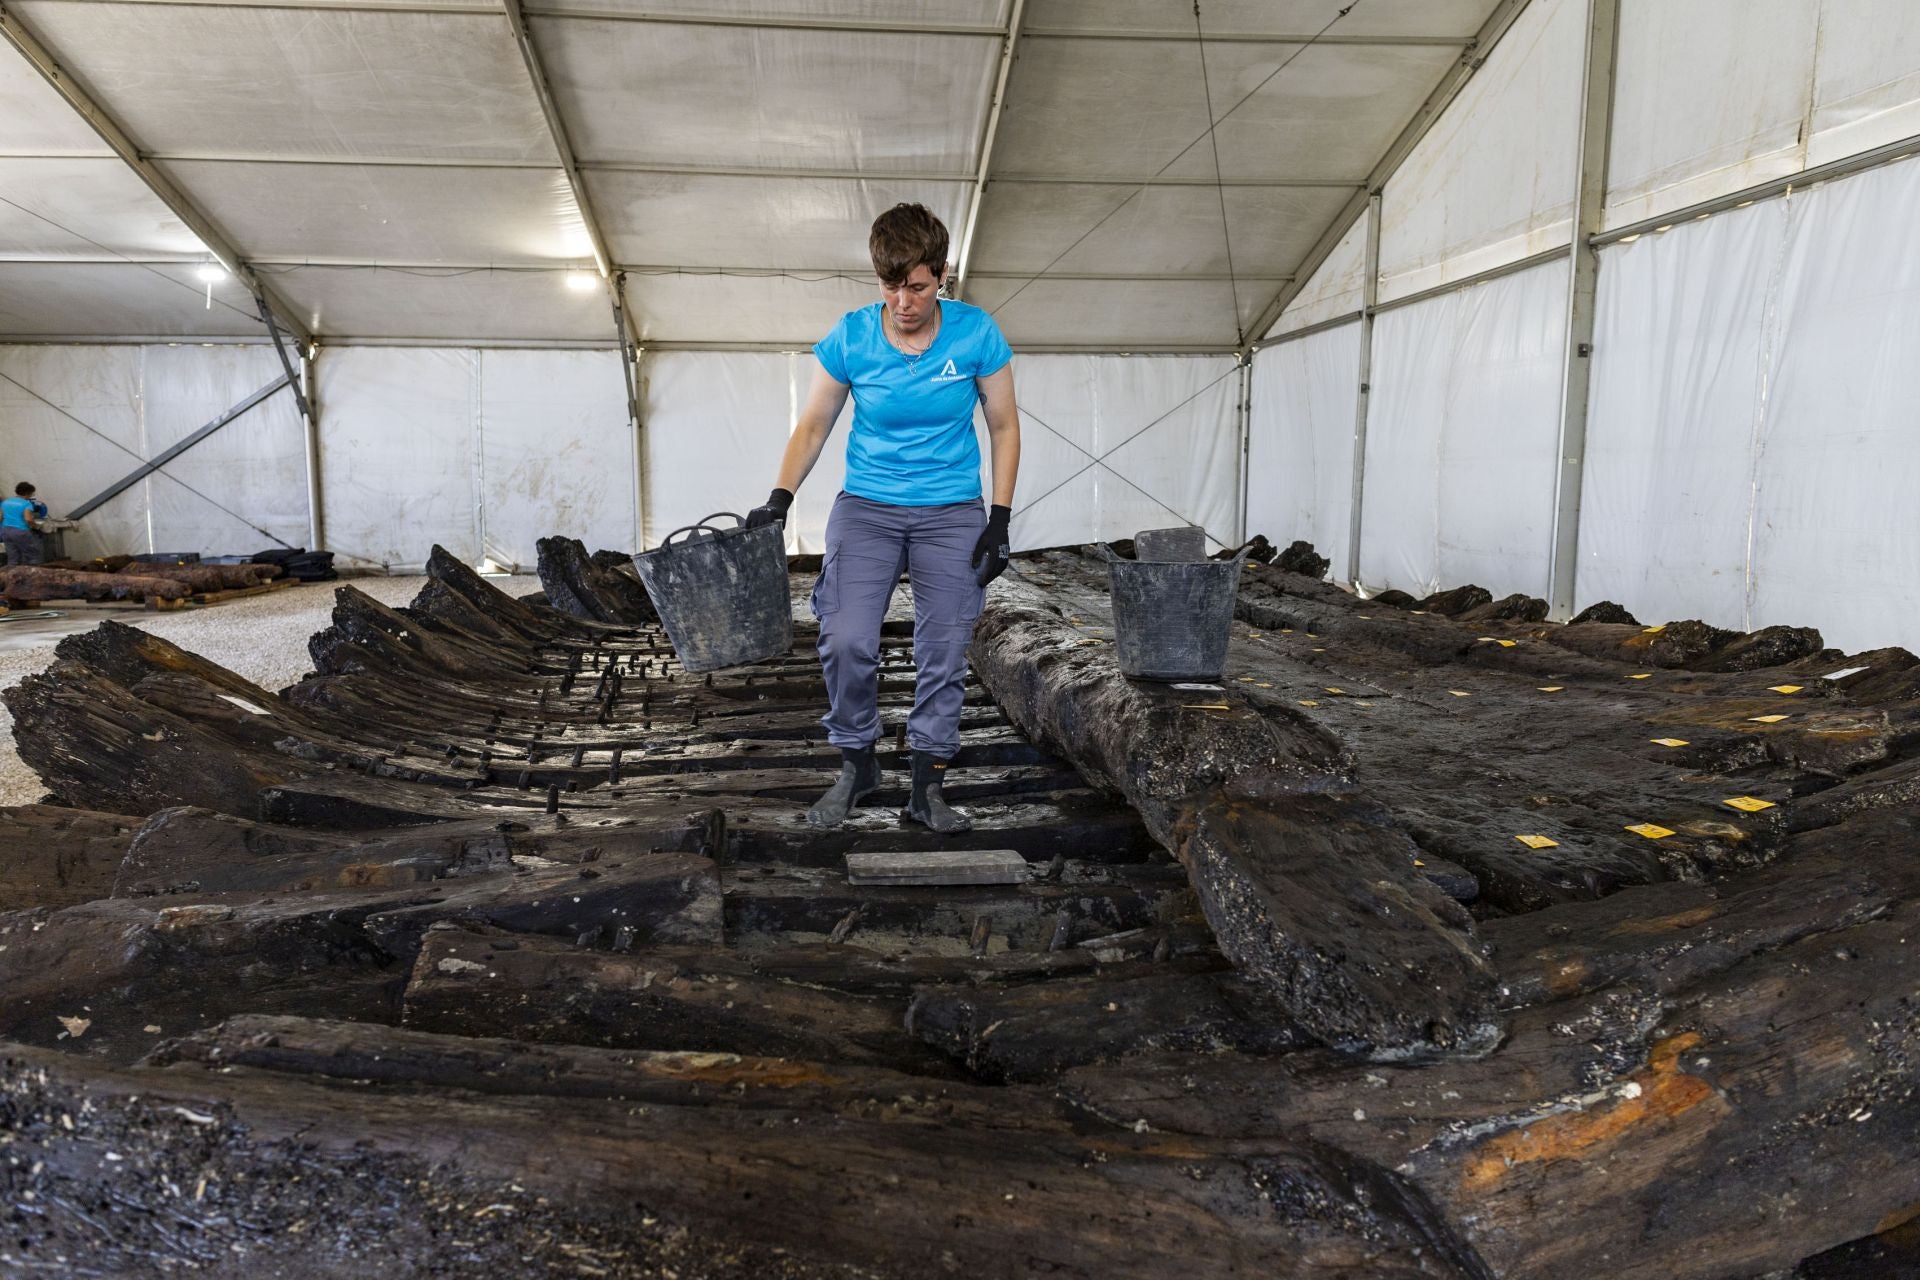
(210, 273)
(582, 281)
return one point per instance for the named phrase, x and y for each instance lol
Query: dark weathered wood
(1310, 887)
(579, 584)
(653, 997)
(56, 857)
(210, 577)
(891, 1185)
(38, 582)
(1035, 1031)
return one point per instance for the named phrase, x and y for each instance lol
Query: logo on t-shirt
(949, 373)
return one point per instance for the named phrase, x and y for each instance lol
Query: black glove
(773, 511)
(990, 554)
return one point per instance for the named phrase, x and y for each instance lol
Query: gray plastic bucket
(1188, 542)
(1171, 619)
(721, 593)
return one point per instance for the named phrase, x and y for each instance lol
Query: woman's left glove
(990, 554)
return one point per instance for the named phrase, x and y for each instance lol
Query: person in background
(20, 519)
(915, 365)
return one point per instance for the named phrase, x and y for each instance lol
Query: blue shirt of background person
(912, 442)
(15, 510)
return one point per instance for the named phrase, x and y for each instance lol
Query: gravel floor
(263, 638)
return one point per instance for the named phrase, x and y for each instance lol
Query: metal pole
(964, 258)
(636, 414)
(1596, 132)
(1363, 399)
(1246, 442)
(316, 512)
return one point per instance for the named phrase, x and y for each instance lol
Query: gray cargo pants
(868, 545)
(23, 546)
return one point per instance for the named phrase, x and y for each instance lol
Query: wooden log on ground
(1308, 885)
(210, 577)
(36, 582)
(55, 857)
(513, 1182)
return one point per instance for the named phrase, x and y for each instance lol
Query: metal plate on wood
(943, 866)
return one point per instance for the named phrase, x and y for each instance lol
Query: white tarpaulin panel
(946, 12)
(119, 299)
(556, 453)
(1752, 446)
(715, 95)
(70, 423)
(1124, 108)
(279, 82)
(255, 466)
(1461, 438)
(1493, 181)
(398, 453)
(695, 220)
(1673, 409)
(1716, 95)
(1836, 539)
(39, 122)
(717, 422)
(1113, 445)
(1300, 446)
(1265, 17)
(373, 302)
(83, 208)
(697, 306)
(1025, 227)
(391, 213)
(1120, 313)
(1332, 291)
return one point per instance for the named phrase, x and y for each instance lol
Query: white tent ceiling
(387, 168)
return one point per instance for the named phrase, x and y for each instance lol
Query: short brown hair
(904, 237)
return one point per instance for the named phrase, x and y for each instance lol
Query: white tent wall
(1461, 438)
(74, 419)
(1300, 447)
(480, 450)
(1110, 445)
(1752, 445)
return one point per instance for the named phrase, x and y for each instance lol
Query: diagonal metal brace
(152, 465)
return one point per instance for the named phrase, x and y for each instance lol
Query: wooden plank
(937, 866)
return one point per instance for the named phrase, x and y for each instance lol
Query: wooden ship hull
(500, 946)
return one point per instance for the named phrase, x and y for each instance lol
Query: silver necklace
(912, 358)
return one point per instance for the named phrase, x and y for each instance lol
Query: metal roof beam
(1504, 15)
(36, 52)
(557, 130)
(989, 129)
(1241, 37)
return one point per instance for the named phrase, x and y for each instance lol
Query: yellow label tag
(1459, 693)
(1363, 704)
(1551, 688)
(1670, 742)
(1330, 689)
(1653, 631)
(1246, 679)
(1644, 675)
(1538, 842)
(1488, 639)
(1308, 702)
(1205, 706)
(1785, 688)
(1766, 719)
(1750, 804)
(1312, 636)
(1263, 684)
(1650, 831)
(1319, 650)
(1508, 644)
(1418, 863)
(1253, 635)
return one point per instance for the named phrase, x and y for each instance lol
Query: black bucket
(1172, 618)
(721, 593)
(1188, 542)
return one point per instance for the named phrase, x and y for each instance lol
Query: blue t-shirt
(912, 442)
(13, 512)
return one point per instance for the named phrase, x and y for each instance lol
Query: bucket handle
(1114, 557)
(703, 523)
(1111, 556)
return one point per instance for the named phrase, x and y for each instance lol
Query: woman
(915, 365)
(20, 518)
